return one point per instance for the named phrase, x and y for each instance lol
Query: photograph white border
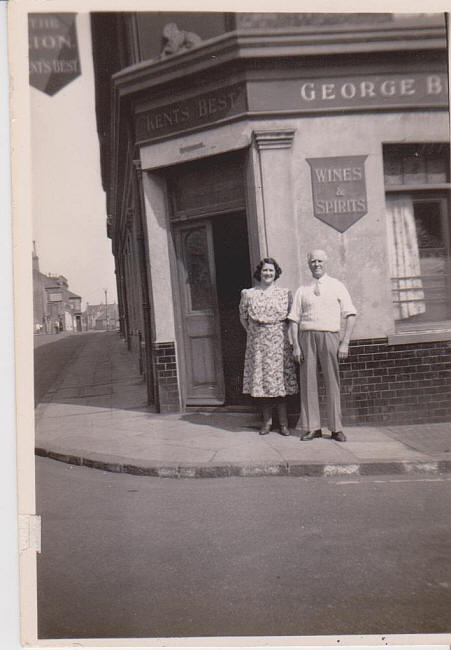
(23, 303)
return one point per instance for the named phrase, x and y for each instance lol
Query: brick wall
(380, 383)
(396, 384)
(166, 377)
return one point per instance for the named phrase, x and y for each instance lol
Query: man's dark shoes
(339, 436)
(266, 428)
(284, 430)
(310, 435)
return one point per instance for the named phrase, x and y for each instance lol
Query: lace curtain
(404, 258)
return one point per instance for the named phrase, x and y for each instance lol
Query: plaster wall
(284, 205)
(276, 215)
(359, 255)
(154, 189)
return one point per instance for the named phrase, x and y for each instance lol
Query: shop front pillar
(274, 202)
(164, 347)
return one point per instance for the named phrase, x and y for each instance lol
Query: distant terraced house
(101, 317)
(55, 307)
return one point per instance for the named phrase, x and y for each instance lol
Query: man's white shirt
(322, 312)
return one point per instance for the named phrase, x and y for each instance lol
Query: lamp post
(106, 309)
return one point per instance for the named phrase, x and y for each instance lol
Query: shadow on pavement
(226, 421)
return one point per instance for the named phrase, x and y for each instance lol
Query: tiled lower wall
(396, 384)
(380, 383)
(166, 377)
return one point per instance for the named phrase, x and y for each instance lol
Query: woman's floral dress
(269, 369)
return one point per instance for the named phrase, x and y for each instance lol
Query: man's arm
(343, 348)
(294, 330)
(293, 326)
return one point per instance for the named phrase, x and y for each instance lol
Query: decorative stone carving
(178, 40)
(277, 139)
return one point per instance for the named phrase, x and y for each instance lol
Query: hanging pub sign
(53, 51)
(339, 190)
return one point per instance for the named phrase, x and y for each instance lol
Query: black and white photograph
(232, 264)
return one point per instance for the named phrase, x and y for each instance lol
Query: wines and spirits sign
(339, 190)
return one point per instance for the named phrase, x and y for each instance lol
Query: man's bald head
(317, 253)
(317, 260)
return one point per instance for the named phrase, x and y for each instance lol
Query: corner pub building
(225, 138)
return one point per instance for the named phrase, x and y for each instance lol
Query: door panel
(200, 320)
(204, 370)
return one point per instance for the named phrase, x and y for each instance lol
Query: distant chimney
(35, 258)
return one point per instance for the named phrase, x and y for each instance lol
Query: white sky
(69, 204)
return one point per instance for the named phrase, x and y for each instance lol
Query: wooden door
(204, 379)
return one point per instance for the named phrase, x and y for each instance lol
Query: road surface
(126, 556)
(52, 353)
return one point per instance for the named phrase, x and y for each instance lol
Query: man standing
(315, 323)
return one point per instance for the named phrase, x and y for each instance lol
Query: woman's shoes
(284, 430)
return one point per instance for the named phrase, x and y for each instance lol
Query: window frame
(425, 331)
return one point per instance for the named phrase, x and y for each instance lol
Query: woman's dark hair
(260, 265)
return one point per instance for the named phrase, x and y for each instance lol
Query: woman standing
(269, 370)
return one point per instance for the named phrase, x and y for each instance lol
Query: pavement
(44, 338)
(96, 415)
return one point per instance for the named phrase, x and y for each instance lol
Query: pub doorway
(233, 274)
(207, 199)
(213, 267)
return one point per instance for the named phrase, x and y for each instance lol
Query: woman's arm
(244, 319)
(244, 322)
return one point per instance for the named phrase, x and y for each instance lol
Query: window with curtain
(418, 232)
